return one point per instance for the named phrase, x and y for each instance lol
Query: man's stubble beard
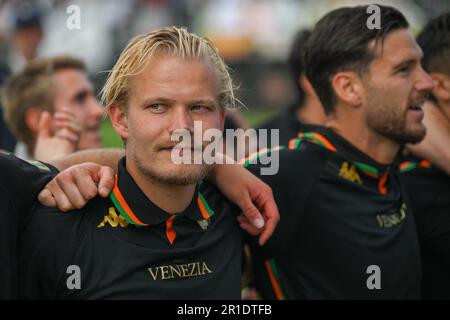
(171, 178)
(389, 121)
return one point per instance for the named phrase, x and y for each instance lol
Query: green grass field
(112, 140)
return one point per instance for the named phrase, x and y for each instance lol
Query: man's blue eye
(156, 107)
(200, 107)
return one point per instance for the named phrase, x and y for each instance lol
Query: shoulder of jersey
(209, 193)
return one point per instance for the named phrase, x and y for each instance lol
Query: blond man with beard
(165, 232)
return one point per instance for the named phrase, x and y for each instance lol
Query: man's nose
(181, 119)
(425, 82)
(96, 109)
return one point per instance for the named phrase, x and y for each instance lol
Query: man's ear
(119, 120)
(348, 88)
(441, 89)
(32, 117)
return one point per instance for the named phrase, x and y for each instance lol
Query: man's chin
(413, 135)
(416, 137)
(183, 174)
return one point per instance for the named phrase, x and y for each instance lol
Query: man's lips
(181, 148)
(416, 106)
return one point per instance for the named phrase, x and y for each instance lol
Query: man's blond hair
(172, 41)
(33, 87)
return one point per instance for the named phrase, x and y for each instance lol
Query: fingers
(60, 199)
(65, 114)
(271, 223)
(44, 125)
(85, 185)
(67, 135)
(246, 225)
(72, 192)
(46, 198)
(106, 183)
(267, 203)
(68, 124)
(75, 186)
(251, 212)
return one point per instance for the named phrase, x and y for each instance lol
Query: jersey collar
(139, 210)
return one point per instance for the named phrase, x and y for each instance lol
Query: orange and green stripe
(367, 169)
(170, 232)
(382, 183)
(274, 279)
(123, 207)
(373, 172)
(205, 209)
(246, 161)
(318, 139)
(409, 165)
(294, 143)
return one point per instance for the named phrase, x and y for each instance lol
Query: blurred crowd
(254, 37)
(51, 71)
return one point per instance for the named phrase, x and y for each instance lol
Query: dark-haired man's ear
(348, 88)
(119, 120)
(441, 89)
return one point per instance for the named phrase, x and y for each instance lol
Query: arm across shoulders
(22, 180)
(292, 186)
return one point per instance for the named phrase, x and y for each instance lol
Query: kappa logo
(113, 220)
(350, 173)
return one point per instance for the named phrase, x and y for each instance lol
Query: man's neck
(379, 148)
(170, 198)
(310, 113)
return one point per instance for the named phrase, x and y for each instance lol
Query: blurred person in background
(429, 186)
(307, 109)
(7, 140)
(57, 84)
(20, 44)
(24, 35)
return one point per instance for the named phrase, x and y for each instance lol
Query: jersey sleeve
(292, 186)
(46, 243)
(22, 181)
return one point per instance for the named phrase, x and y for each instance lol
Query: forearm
(439, 158)
(104, 157)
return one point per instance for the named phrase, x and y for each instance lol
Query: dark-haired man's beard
(391, 120)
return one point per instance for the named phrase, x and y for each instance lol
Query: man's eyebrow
(416, 58)
(204, 101)
(406, 63)
(156, 99)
